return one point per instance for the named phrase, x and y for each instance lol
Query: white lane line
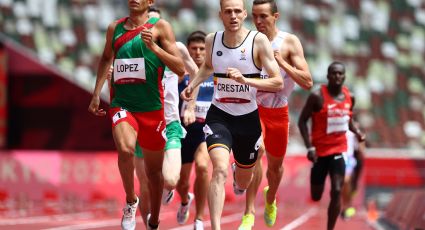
(98, 224)
(101, 224)
(301, 220)
(224, 220)
(45, 219)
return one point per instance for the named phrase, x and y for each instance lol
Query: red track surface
(295, 211)
(291, 215)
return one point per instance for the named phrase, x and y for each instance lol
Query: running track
(291, 215)
(295, 211)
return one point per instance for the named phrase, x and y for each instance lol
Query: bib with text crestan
(129, 71)
(230, 91)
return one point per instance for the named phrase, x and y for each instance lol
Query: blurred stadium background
(54, 152)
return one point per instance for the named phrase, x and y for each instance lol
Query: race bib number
(119, 115)
(337, 124)
(230, 91)
(129, 71)
(201, 109)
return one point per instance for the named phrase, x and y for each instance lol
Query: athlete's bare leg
(153, 168)
(201, 181)
(125, 141)
(171, 168)
(274, 176)
(183, 185)
(334, 208)
(220, 160)
(144, 205)
(251, 192)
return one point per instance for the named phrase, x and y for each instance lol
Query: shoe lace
(127, 212)
(270, 209)
(183, 209)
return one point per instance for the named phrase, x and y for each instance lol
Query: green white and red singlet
(136, 80)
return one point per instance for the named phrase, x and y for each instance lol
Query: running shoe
(167, 196)
(183, 211)
(199, 225)
(270, 210)
(247, 222)
(236, 189)
(348, 213)
(128, 220)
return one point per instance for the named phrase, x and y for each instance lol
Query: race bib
(201, 109)
(129, 71)
(230, 91)
(337, 124)
(119, 115)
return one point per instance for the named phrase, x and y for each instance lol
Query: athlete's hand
(360, 136)
(278, 57)
(236, 75)
(94, 107)
(186, 94)
(311, 155)
(147, 38)
(189, 116)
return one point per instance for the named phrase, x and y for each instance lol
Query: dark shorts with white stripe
(241, 134)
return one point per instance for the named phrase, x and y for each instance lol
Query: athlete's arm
(189, 65)
(189, 112)
(263, 54)
(102, 72)
(169, 53)
(298, 71)
(353, 128)
(312, 104)
(204, 72)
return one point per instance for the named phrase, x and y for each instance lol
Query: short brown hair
(272, 3)
(196, 36)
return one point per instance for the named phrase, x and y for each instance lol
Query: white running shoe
(183, 211)
(167, 196)
(236, 189)
(199, 225)
(128, 221)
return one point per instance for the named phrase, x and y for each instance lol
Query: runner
(354, 150)
(235, 56)
(131, 46)
(194, 147)
(330, 109)
(273, 109)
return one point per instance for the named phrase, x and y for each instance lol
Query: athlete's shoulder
(289, 38)
(210, 37)
(114, 24)
(160, 22)
(180, 45)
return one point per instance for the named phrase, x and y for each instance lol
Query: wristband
(311, 149)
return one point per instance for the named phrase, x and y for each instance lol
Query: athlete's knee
(274, 170)
(220, 174)
(201, 168)
(125, 150)
(336, 192)
(170, 179)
